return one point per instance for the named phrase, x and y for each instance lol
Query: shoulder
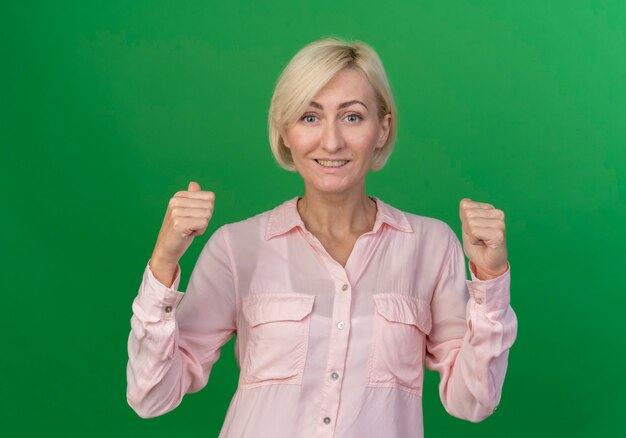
(422, 225)
(429, 236)
(253, 228)
(430, 225)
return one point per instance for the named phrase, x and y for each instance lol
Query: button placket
(337, 351)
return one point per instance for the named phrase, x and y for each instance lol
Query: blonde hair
(307, 72)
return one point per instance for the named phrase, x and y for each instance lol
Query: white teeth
(328, 163)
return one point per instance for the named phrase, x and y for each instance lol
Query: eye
(307, 117)
(355, 115)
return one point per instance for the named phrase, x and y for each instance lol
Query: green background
(109, 108)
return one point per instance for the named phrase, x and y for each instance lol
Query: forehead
(348, 84)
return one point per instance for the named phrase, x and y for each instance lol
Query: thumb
(193, 186)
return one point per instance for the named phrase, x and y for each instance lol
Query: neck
(337, 214)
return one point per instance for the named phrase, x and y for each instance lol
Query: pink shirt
(325, 351)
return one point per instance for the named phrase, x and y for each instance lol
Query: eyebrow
(341, 105)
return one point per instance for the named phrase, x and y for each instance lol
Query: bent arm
(474, 327)
(176, 337)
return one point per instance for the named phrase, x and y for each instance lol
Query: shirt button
(341, 325)
(334, 376)
(479, 300)
(168, 309)
(344, 287)
(326, 420)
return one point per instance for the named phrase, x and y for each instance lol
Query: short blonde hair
(307, 72)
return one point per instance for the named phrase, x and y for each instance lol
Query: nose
(332, 139)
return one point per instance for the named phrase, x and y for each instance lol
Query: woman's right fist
(188, 215)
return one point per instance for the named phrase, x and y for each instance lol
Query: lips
(332, 163)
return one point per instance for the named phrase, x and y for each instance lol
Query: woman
(338, 299)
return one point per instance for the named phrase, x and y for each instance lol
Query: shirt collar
(286, 216)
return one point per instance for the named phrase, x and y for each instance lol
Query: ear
(283, 137)
(385, 128)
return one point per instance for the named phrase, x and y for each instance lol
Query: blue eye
(307, 117)
(304, 117)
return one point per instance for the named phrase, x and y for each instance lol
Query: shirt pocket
(278, 338)
(400, 326)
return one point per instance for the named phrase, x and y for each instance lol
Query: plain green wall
(108, 108)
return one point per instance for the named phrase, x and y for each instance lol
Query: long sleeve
(474, 327)
(176, 337)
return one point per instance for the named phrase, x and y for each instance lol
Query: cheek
(299, 138)
(364, 141)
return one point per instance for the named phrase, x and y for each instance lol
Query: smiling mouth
(332, 163)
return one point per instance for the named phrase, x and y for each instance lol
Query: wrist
(158, 259)
(483, 274)
(165, 272)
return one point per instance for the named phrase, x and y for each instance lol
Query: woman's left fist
(484, 238)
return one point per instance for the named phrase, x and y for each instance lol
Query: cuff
(157, 299)
(490, 294)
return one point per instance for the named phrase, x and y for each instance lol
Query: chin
(329, 184)
(330, 188)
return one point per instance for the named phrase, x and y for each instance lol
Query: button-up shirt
(325, 350)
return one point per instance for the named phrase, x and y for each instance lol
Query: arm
(474, 327)
(176, 337)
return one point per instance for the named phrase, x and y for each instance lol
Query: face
(333, 142)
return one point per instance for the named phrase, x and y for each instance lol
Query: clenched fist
(188, 215)
(484, 238)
